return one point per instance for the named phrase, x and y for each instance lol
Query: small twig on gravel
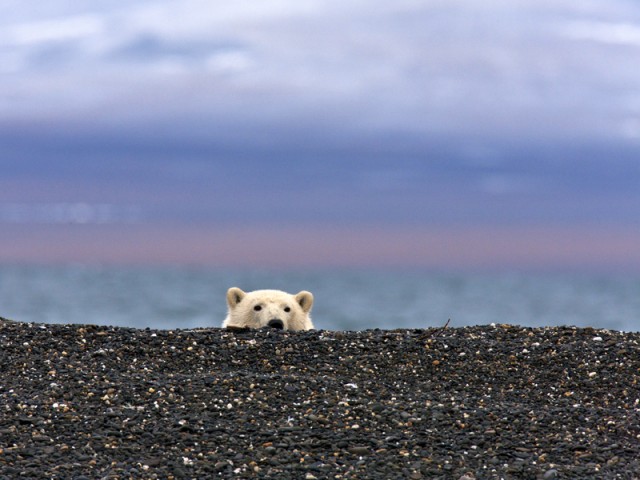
(437, 332)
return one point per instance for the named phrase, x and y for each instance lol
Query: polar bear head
(269, 308)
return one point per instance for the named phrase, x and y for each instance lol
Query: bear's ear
(305, 300)
(234, 296)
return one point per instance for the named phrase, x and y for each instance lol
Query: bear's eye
(257, 308)
(287, 309)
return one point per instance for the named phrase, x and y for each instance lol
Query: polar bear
(269, 308)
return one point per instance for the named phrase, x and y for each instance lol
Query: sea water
(173, 297)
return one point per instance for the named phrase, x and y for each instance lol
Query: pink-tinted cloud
(318, 246)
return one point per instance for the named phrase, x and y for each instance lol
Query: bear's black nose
(276, 323)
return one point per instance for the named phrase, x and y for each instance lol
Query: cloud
(458, 248)
(438, 104)
(68, 213)
(263, 117)
(493, 70)
(615, 33)
(57, 30)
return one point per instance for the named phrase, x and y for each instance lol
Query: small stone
(550, 474)
(359, 450)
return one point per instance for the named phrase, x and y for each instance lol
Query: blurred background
(409, 161)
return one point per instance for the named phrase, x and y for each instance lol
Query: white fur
(273, 305)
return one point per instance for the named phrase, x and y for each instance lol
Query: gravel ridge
(486, 402)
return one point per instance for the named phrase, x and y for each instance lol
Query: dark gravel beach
(82, 401)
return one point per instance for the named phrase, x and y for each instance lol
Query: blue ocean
(172, 297)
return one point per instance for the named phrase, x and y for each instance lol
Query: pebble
(480, 402)
(359, 450)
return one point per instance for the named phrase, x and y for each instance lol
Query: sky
(303, 133)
